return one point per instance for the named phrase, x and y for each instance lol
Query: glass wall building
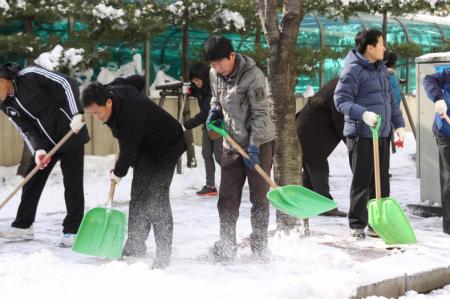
(316, 32)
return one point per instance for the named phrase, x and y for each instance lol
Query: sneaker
(357, 233)
(67, 240)
(208, 191)
(371, 233)
(335, 213)
(17, 234)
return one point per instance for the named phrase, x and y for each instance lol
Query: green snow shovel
(296, 201)
(386, 217)
(102, 231)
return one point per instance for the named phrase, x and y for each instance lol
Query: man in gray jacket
(239, 100)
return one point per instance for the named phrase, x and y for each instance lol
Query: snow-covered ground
(302, 267)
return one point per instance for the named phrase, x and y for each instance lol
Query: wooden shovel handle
(257, 167)
(376, 161)
(36, 168)
(447, 119)
(112, 188)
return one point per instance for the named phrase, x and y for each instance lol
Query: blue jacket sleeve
(433, 85)
(345, 94)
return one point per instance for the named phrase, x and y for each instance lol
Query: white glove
(114, 177)
(77, 123)
(370, 118)
(39, 159)
(440, 107)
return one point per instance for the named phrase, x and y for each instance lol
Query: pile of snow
(110, 72)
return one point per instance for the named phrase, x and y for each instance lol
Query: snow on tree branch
(4, 5)
(57, 58)
(110, 13)
(176, 8)
(229, 18)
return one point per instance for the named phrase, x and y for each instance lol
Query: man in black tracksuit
(199, 76)
(150, 141)
(43, 106)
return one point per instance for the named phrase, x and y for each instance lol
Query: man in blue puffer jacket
(437, 87)
(363, 93)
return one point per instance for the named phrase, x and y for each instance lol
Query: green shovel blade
(387, 219)
(101, 233)
(298, 201)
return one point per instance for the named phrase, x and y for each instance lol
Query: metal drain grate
(361, 254)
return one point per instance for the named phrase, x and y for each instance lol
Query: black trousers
(234, 174)
(360, 151)
(150, 206)
(72, 165)
(444, 173)
(316, 177)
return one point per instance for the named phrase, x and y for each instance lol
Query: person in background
(43, 106)
(319, 129)
(437, 87)
(211, 149)
(390, 59)
(239, 100)
(150, 141)
(362, 94)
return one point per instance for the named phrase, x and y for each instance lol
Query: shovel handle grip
(112, 188)
(447, 119)
(36, 168)
(257, 167)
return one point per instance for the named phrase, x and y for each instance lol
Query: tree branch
(268, 16)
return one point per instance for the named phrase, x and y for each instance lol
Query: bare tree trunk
(258, 38)
(282, 42)
(147, 59)
(191, 161)
(385, 26)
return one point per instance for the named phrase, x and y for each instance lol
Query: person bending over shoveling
(43, 105)
(150, 141)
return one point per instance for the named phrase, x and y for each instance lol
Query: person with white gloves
(43, 105)
(437, 87)
(364, 92)
(77, 123)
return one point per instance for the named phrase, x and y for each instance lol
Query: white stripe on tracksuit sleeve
(59, 79)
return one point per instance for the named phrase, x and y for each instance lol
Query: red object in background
(398, 143)
(187, 89)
